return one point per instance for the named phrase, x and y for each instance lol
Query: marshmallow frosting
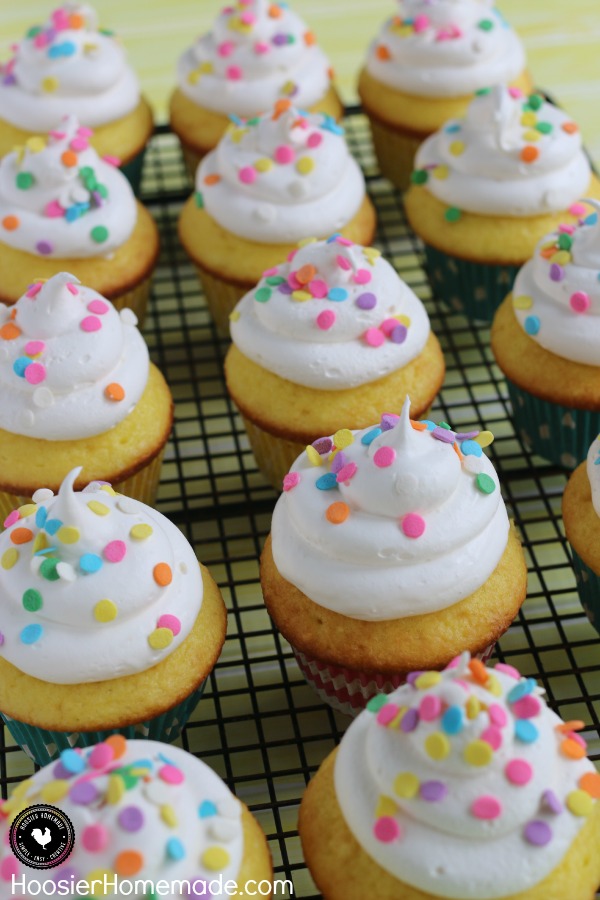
(71, 366)
(94, 585)
(510, 155)
(334, 316)
(556, 296)
(257, 52)
(58, 198)
(593, 473)
(448, 48)
(464, 784)
(69, 65)
(141, 810)
(398, 520)
(281, 177)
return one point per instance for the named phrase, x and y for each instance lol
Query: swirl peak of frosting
(258, 51)
(141, 811)
(281, 176)
(556, 296)
(445, 48)
(95, 585)
(593, 473)
(334, 316)
(67, 64)
(71, 366)
(458, 773)
(59, 199)
(509, 155)
(397, 520)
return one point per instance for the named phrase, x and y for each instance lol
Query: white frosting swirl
(556, 296)
(281, 178)
(413, 528)
(143, 810)
(67, 65)
(59, 199)
(510, 155)
(334, 316)
(71, 366)
(100, 586)
(257, 52)
(454, 779)
(446, 48)
(593, 473)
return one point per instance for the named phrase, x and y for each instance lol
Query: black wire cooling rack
(259, 725)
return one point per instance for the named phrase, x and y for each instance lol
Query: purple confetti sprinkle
(131, 818)
(366, 301)
(9, 80)
(339, 462)
(60, 772)
(412, 677)
(410, 720)
(98, 200)
(433, 791)
(44, 247)
(285, 288)
(388, 420)
(557, 273)
(444, 434)
(551, 802)
(280, 40)
(466, 435)
(398, 335)
(323, 445)
(198, 888)
(83, 793)
(538, 833)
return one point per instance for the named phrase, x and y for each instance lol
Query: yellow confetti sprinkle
(522, 302)
(456, 148)
(305, 165)
(105, 611)
(9, 558)
(406, 785)
(562, 257)
(395, 723)
(194, 76)
(40, 541)
(160, 638)
(116, 789)
(473, 707)
(22, 788)
(206, 68)
(301, 296)
(50, 84)
(427, 680)
(100, 509)
(494, 686)
(140, 532)
(36, 144)
(580, 803)
(237, 134)
(27, 510)
(264, 164)
(343, 438)
(478, 753)
(215, 859)
(167, 814)
(234, 316)
(55, 790)
(441, 172)
(314, 457)
(404, 320)
(101, 877)
(107, 489)
(484, 438)
(528, 119)
(437, 745)
(68, 534)
(306, 241)
(386, 807)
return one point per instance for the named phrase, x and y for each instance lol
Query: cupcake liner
(473, 288)
(191, 159)
(588, 587)
(349, 690)
(557, 433)
(135, 299)
(395, 151)
(44, 746)
(222, 297)
(132, 171)
(274, 456)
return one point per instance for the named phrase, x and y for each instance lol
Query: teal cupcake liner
(588, 588)
(133, 171)
(474, 289)
(557, 433)
(44, 747)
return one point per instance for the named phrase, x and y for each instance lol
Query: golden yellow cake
(581, 516)
(459, 784)
(327, 341)
(269, 184)
(255, 54)
(423, 69)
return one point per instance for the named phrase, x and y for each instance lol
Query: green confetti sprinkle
(32, 600)
(482, 92)
(199, 198)
(452, 214)
(376, 702)
(485, 483)
(419, 176)
(544, 127)
(444, 425)
(25, 180)
(565, 241)
(485, 24)
(274, 280)
(99, 234)
(535, 101)
(34, 31)
(263, 294)
(102, 190)
(48, 569)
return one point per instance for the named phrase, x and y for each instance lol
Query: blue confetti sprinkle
(41, 516)
(532, 324)
(20, 365)
(207, 809)
(52, 525)
(471, 448)
(175, 849)
(522, 689)
(235, 119)
(525, 731)
(430, 425)
(370, 436)
(45, 551)
(333, 237)
(31, 634)
(452, 129)
(329, 124)
(592, 219)
(337, 294)
(73, 762)
(453, 720)
(326, 482)
(90, 563)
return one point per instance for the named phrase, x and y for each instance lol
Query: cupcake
(257, 53)
(141, 814)
(64, 208)
(325, 342)
(546, 340)
(487, 187)
(109, 625)
(581, 515)
(270, 183)
(76, 383)
(390, 551)
(461, 784)
(423, 69)
(70, 66)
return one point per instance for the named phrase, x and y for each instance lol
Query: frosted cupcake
(326, 341)
(70, 66)
(271, 182)
(546, 340)
(140, 812)
(423, 69)
(64, 208)
(390, 551)
(257, 52)
(76, 382)
(109, 625)
(487, 187)
(461, 784)
(581, 515)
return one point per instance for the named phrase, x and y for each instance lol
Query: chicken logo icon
(42, 836)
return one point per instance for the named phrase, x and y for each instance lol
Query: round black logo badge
(42, 837)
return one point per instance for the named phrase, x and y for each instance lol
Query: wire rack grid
(259, 725)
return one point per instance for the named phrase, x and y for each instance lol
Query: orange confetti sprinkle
(10, 331)
(310, 38)
(306, 274)
(21, 535)
(13, 313)
(458, 451)
(573, 725)
(162, 574)
(572, 749)
(383, 53)
(590, 782)
(76, 21)
(529, 154)
(10, 223)
(129, 862)
(331, 73)
(69, 159)
(275, 11)
(479, 671)
(118, 744)
(418, 426)
(280, 107)
(212, 179)
(337, 513)
(570, 127)
(114, 391)
(548, 252)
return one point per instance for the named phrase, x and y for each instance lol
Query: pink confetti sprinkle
(34, 348)
(430, 708)
(9, 867)
(326, 319)
(34, 290)
(346, 473)
(261, 48)
(515, 92)
(53, 210)
(518, 771)
(284, 154)
(11, 518)
(247, 175)
(291, 480)
(363, 276)
(388, 325)
(112, 160)
(509, 670)
(234, 73)
(420, 23)
(318, 288)
(101, 756)
(115, 551)
(387, 830)
(35, 373)
(314, 140)
(171, 774)
(486, 807)
(579, 302)
(292, 254)
(226, 48)
(95, 837)
(497, 715)
(84, 132)
(344, 242)
(90, 323)
(79, 144)
(72, 289)
(374, 337)
(343, 263)
(294, 283)
(248, 18)
(384, 457)
(100, 307)
(41, 40)
(492, 736)
(413, 525)
(387, 714)
(566, 229)
(528, 707)
(170, 622)
(268, 272)
(578, 739)
(577, 209)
